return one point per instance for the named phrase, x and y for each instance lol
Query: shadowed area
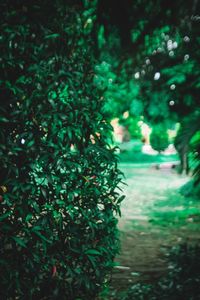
(155, 217)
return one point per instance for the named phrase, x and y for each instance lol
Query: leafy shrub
(190, 189)
(159, 138)
(58, 175)
(131, 123)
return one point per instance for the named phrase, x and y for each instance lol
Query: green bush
(58, 175)
(159, 139)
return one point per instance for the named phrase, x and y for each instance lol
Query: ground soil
(155, 218)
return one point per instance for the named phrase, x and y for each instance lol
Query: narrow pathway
(155, 217)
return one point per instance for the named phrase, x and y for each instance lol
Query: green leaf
(19, 241)
(30, 144)
(92, 252)
(44, 193)
(2, 119)
(21, 79)
(52, 36)
(121, 198)
(4, 216)
(29, 217)
(41, 236)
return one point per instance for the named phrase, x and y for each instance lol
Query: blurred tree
(159, 139)
(188, 129)
(195, 151)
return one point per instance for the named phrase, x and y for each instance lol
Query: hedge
(58, 197)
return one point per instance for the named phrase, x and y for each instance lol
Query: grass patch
(175, 210)
(139, 157)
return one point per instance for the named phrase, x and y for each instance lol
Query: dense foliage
(58, 175)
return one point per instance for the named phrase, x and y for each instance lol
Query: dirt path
(155, 217)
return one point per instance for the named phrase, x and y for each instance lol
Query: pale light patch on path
(145, 186)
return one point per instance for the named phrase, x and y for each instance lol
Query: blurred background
(148, 72)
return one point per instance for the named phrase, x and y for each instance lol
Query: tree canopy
(153, 50)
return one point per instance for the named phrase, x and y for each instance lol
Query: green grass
(139, 157)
